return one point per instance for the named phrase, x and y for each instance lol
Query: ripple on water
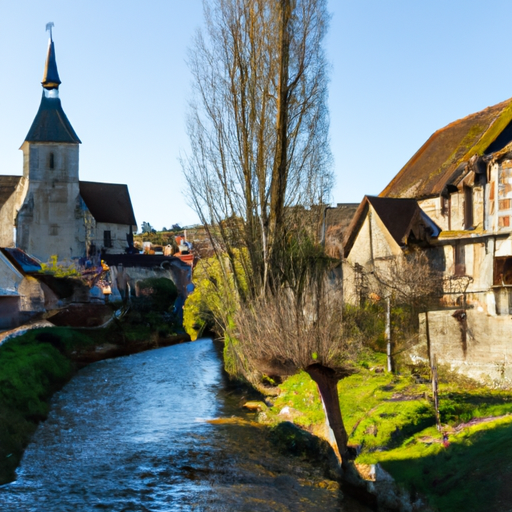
(124, 435)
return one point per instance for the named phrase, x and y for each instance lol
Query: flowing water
(131, 434)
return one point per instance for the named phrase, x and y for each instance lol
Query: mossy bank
(391, 422)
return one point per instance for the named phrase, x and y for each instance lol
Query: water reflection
(129, 434)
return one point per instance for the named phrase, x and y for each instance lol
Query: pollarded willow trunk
(327, 380)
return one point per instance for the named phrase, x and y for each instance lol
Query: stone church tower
(51, 219)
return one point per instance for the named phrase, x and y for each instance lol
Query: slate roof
(51, 124)
(438, 162)
(399, 216)
(51, 78)
(108, 202)
(21, 260)
(8, 186)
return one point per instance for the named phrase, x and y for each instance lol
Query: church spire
(51, 78)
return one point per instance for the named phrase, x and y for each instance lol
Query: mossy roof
(439, 160)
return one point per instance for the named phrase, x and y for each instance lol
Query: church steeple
(51, 78)
(51, 123)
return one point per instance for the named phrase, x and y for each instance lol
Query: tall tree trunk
(279, 171)
(327, 380)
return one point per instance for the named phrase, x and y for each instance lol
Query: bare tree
(411, 279)
(258, 125)
(288, 331)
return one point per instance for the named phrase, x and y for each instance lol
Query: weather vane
(49, 27)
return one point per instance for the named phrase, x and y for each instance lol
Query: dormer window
(51, 161)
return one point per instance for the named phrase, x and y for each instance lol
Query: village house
(461, 179)
(48, 210)
(21, 295)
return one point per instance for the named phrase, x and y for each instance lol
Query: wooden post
(429, 347)
(435, 391)
(388, 332)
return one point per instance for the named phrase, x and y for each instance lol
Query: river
(132, 434)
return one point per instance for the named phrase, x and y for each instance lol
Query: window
(51, 161)
(53, 229)
(460, 260)
(107, 239)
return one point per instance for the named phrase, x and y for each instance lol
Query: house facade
(461, 179)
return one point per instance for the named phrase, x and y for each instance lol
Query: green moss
(29, 373)
(494, 130)
(390, 419)
(471, 474)
(301, 393)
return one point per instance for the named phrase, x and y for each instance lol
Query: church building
(48, 211)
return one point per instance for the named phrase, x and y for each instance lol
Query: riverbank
(390, 418)
(38, 362)
(391, 423)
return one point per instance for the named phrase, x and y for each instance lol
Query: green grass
(391, 418)
(472, 474)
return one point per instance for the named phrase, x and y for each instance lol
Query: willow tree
(258, 125)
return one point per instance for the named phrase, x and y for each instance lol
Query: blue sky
(401, 69)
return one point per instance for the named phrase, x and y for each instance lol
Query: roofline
(495, 127)
(348, 240)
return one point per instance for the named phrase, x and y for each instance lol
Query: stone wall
(8, 212)
(51, 219)
(472, 343)
(118, 234)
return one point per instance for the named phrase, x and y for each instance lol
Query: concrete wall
(373, 242)
(478, 346)
(9, 312)
(373, 249)
(10, 277)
